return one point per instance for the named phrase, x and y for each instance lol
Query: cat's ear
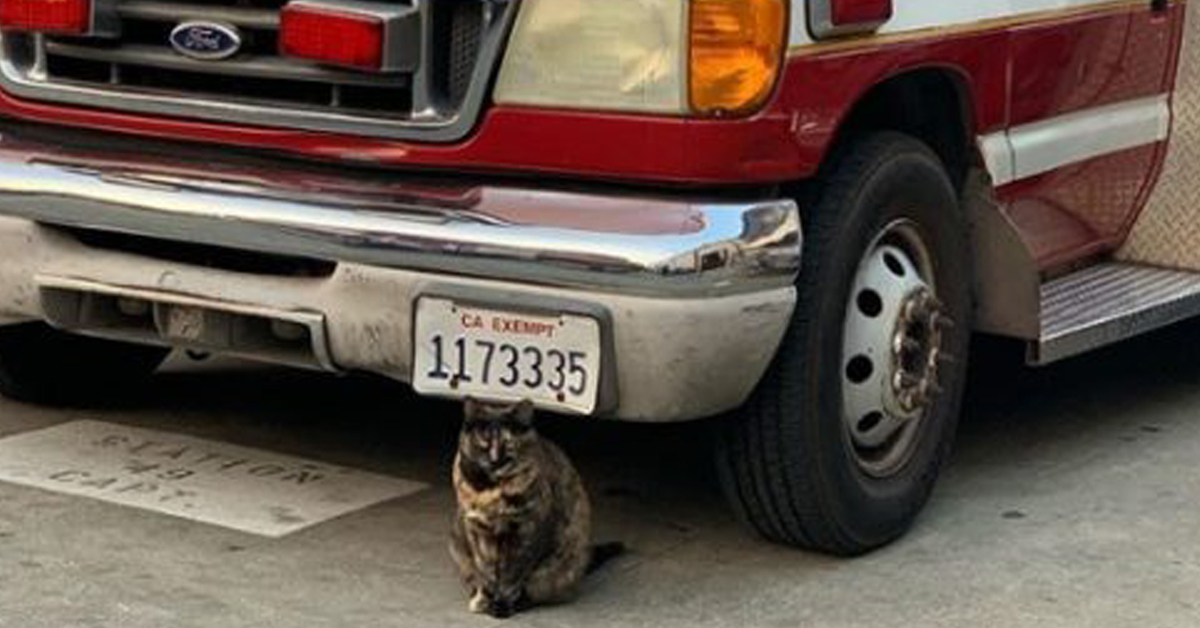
(470, 408)
(524, 413)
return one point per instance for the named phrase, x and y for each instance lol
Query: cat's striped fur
(522, 532)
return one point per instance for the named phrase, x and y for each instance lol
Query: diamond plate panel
(1168, 232)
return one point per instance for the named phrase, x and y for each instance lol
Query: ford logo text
(206, 40)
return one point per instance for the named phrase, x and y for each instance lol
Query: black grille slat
(245, 66)
(230, 88)
(79, 70)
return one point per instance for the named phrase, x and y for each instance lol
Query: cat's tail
(602, 553)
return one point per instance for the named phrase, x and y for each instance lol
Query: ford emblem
(206, 40)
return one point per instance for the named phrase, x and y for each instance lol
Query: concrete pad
(202, 480)
(1073, 499)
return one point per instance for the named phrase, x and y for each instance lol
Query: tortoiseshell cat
(522, 535)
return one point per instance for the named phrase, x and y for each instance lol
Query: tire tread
(789, 503)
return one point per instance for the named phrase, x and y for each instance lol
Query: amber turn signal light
(736, 54)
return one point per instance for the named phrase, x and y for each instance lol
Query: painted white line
(1032, 149)
(202, 480)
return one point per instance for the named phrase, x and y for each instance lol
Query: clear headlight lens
(628, 55)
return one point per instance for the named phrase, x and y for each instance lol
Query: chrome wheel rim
(891, 350)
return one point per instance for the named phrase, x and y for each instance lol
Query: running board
(1108, 303)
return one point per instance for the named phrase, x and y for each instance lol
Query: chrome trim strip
(1041, 147)
(620, 244)
(430, 121)
(1032, 149)
(998, 157)
(166, 10)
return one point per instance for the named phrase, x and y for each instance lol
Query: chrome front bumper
(695, 294)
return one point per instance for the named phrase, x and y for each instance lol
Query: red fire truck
(792, 213)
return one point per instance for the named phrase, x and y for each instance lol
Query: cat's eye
(517, 429)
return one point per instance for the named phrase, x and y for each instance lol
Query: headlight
(711, 57)
(601, 54)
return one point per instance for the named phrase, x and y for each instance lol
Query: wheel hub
(892, 350)
(916, 352)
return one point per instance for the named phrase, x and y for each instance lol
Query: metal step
(1111, 302)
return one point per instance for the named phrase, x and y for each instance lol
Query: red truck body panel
(1012, 71)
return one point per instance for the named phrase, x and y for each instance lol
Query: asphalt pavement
(1073, 499)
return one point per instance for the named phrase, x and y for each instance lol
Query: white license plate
(468, 351)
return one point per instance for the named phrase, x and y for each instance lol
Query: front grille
(140, 71)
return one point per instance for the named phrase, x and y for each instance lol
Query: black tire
(39, 364)
(786, 460)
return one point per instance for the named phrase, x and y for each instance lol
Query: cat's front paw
(479, 603)
(485, 604)
(501, 609)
